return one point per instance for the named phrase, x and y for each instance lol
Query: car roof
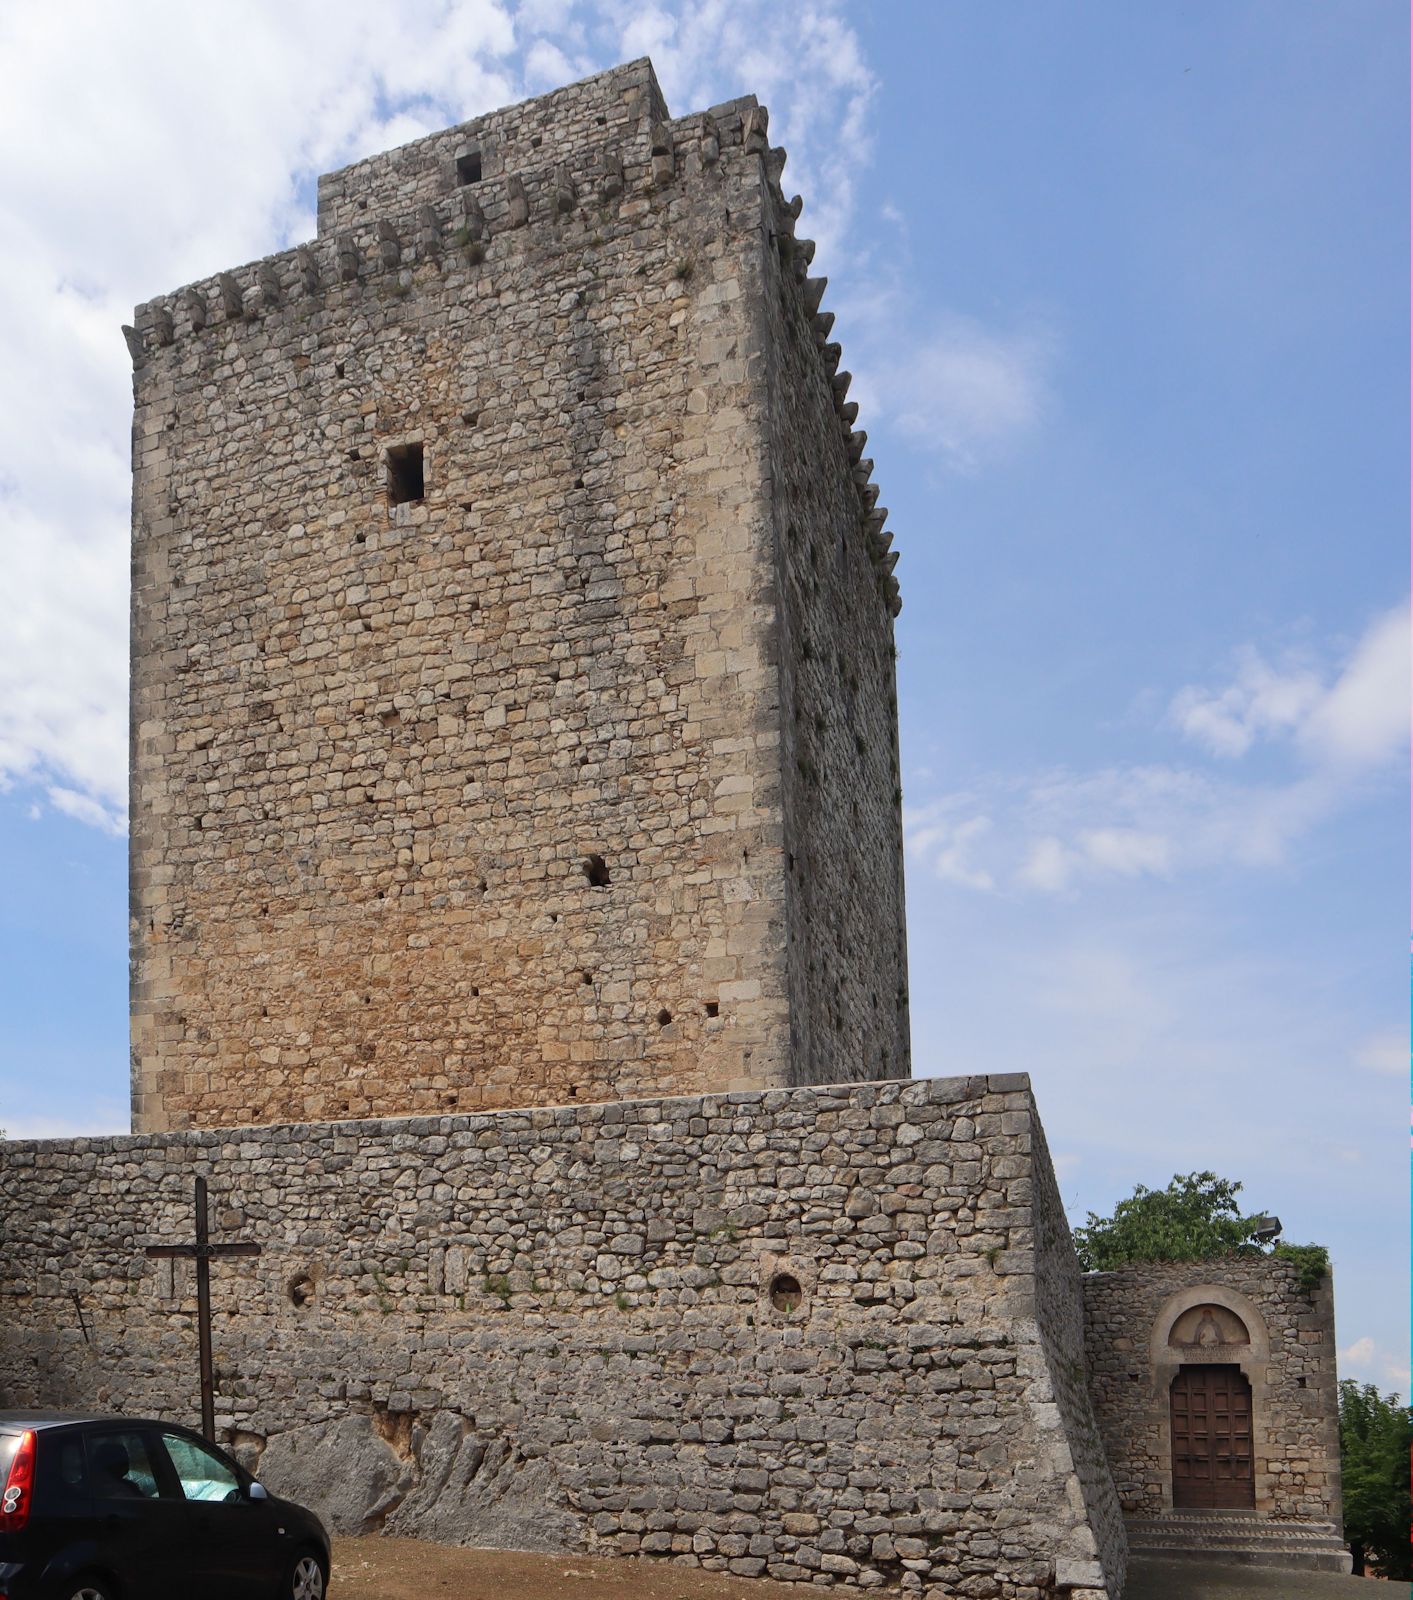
(14, 1421)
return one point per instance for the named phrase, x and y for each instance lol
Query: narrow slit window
(405, 477)
(468, 167)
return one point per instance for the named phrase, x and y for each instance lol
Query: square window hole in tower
(468, 167)
(405, 477)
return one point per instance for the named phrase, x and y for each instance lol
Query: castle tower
(513, 678)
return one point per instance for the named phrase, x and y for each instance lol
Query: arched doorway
(1211, 1429)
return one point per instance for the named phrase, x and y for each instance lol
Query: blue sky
(1123, 291)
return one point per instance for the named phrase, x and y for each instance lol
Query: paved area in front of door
(1203, 1580)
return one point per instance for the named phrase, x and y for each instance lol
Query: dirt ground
(407, 1569)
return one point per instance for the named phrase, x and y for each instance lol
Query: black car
(110, 1508)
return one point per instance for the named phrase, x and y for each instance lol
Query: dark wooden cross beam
(203, 1252)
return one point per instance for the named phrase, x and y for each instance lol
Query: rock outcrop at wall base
(825, 1333)
(442, 1481)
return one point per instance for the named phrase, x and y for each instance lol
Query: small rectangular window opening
(468, 167)
(405, 480)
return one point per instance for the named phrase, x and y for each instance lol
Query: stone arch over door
(1209, 1324)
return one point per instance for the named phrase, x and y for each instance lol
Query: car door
(236, 1546)
(139, 1516)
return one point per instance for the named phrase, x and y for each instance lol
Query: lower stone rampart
(1074, 1439)
(818, 1333)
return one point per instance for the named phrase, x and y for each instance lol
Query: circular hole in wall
(301, 1290)
(785, 1292)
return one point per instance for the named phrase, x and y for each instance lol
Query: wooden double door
(1211, 1423)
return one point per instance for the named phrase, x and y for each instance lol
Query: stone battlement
(621, 110)
(408, 208)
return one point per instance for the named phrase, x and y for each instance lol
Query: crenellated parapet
(454, 203)
(452, 232)
(796, 255)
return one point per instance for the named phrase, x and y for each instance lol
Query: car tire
(85, 1587)
(306, 1577)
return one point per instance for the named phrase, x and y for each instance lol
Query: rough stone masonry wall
(575, 126)
(1295, 1399)
(838, 696)
(1075, 1439)
(554, 1327)
(379, 750)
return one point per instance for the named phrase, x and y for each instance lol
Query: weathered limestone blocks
(514, 690)
(826, 1333)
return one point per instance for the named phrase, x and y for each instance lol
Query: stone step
(1244, 1540)
(1240, 1527)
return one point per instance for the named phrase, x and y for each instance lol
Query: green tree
(1194, 1219)
(1375, 1436)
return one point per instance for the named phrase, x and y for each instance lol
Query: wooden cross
(203, 1252)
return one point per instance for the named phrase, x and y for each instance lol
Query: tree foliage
(1194, 1219)
(1375, 1436)
(1311, 1262)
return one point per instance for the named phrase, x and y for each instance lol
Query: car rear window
(60, 1475)
(9, 1443)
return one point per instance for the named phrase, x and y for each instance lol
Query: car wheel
(306, 1578)
(83, 1589)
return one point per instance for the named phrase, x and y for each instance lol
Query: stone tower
(513, 676)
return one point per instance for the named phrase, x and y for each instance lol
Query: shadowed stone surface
(1192, 1580)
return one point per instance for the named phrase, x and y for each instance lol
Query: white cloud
(1048, 866)
(547, 66)
(1367, 1362)
(84, 808)
(1359, 718)
(165, 142)
(947, 845)
(967, 392)
(1128, 851)
(1360, 1353)
(1364, 718)
(651, 32)
(1052, 832)
(1385, 1052)
(1260, 700)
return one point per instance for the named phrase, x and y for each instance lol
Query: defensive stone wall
(1074, 1438)
(818, 1333)
(459, 767)
(1280, 1335)
(839, 768)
